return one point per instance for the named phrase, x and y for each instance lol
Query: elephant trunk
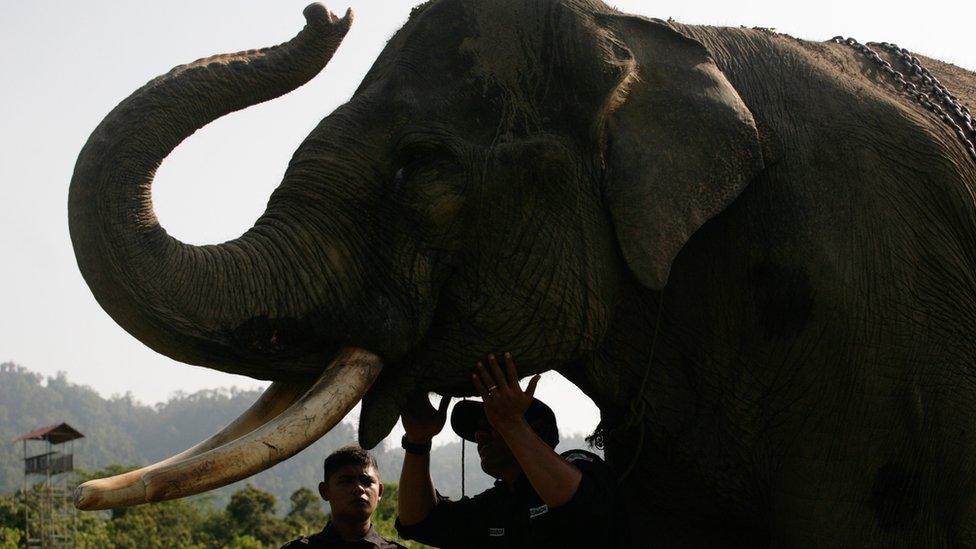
(235, 306)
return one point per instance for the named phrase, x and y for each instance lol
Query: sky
(65, 65)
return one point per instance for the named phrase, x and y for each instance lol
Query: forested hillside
(122, 431)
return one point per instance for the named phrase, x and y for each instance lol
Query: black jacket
(499, 517)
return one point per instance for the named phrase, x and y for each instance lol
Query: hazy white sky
(66, 64)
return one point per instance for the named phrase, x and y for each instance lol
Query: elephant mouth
(286, 419)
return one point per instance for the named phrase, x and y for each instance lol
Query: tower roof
(55, 434)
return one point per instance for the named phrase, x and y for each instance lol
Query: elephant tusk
(280, 424)
(125, 489)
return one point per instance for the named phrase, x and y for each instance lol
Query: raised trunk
(231, 306)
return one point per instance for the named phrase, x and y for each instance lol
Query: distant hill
(120, 430)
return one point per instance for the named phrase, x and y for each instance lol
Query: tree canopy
(249, 520)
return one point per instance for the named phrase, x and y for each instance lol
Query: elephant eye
(404, 173)
(401, 177)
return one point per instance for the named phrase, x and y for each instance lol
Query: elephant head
(502, 171)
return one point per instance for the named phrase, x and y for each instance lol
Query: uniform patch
(496, 532)
(537, 511)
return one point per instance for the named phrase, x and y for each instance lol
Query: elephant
(756, 254)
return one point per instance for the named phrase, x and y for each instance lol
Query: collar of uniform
(330, 532)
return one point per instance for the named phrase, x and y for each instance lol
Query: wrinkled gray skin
(538, 176)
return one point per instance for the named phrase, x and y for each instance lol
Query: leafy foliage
(306, 511)
(9, 538)
(248, 521)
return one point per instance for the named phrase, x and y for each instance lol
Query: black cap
(468, 413)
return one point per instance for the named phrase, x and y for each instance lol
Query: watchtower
(52, 492)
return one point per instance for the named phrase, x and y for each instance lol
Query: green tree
(91, 529)
(250, 506)
(217, 530)
(9, 538)
(93, 532)
(252, 511)
(12, 512)
(244, 542)
(166, 524)
(306, 515)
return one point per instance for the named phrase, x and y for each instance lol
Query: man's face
(496, 456)
(353, 492)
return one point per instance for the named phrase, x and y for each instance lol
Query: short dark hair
(347, 455)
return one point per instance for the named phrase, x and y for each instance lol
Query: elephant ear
(680, 144)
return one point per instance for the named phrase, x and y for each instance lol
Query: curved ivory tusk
(338, 389)
(125, 489)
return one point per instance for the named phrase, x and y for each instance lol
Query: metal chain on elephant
(963, 123)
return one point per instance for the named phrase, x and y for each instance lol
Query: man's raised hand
(420, 420)
(505, 402)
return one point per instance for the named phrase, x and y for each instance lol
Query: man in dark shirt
(541, 498)
(353, 489)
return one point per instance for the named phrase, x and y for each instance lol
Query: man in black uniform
(353, 489)
(541, 498)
